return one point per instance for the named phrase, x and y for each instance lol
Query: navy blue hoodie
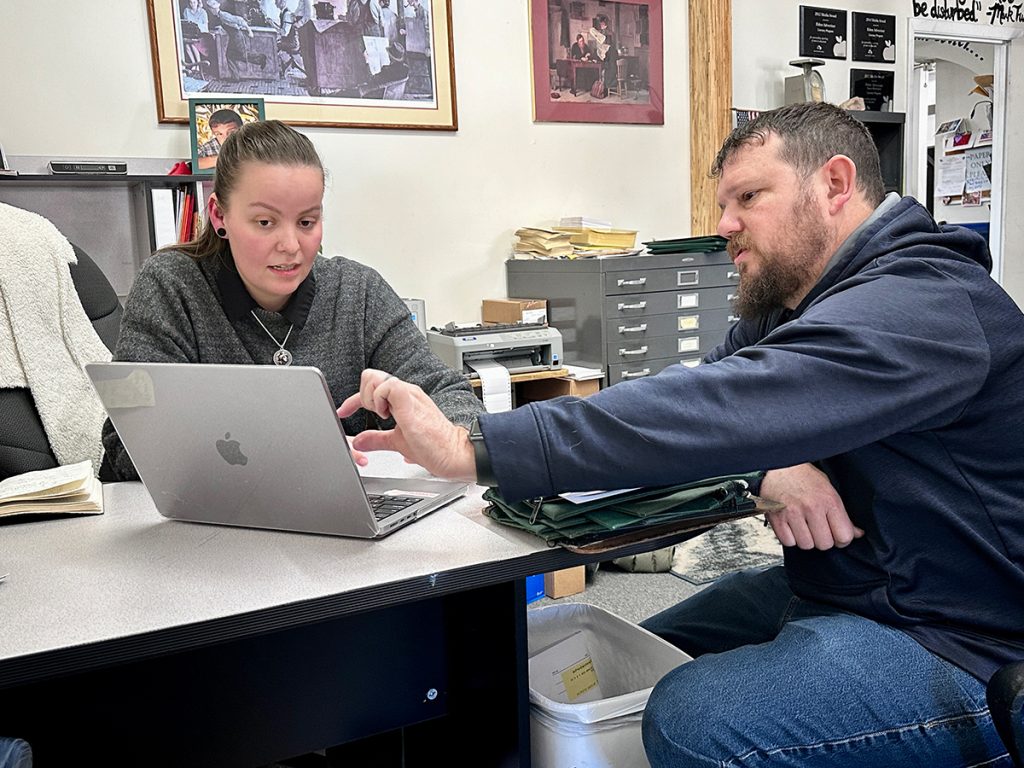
(901, 375)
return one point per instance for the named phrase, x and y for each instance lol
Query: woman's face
(273, 222)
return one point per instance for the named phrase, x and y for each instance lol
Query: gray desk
(140, 640)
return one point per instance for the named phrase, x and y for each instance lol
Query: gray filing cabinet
(632, 315)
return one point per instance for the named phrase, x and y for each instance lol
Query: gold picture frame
(344, 66)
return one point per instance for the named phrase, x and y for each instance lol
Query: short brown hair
(812, 134)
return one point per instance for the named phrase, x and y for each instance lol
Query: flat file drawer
(713, 321)
(664, 302)
(684, 344)
(628, 371)
(649, 280)
(602, 305)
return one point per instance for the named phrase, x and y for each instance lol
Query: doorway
(956, 85)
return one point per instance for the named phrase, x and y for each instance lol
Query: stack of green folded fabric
(705, 244)
(559, 521)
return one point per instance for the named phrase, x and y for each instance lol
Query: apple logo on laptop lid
(231, 451)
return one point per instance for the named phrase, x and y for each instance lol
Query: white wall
(766, 37)
(1013, 222)
(75, 85)
(80, 83)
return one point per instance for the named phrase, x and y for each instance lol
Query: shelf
(110, 217)
(103, 180)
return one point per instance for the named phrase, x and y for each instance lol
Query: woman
(252, 289)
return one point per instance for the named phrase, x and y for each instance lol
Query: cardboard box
(568, 581)
(546, 389)
(514, 311)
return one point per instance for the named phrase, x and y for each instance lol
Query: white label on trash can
(565, 672)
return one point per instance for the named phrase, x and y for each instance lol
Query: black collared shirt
(237, 302)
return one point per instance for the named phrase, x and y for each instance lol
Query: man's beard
(782, 271)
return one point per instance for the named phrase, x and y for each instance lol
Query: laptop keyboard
(385, 505)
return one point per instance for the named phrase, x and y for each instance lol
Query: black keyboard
(385, 506)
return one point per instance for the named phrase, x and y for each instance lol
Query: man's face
(777, 230)
(223, 130)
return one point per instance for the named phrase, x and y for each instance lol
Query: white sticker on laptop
(133, 391)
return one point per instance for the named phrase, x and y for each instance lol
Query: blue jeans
(782, 681)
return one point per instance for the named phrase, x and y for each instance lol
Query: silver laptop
(253, 445)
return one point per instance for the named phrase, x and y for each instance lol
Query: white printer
(520, 347)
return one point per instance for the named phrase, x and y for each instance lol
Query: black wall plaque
(874, 38)
(875, 86)
(822, 32)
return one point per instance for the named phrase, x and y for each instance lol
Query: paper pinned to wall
(950, 175)
(979, 166)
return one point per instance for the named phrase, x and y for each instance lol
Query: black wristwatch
(484, 471)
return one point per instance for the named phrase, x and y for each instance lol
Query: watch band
(482, 459)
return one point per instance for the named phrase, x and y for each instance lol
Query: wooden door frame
(710, 37)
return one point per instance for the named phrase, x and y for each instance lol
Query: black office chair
(1005, 695)
(23, 443)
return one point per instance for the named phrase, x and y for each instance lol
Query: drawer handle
(638, 305)
(633, 329)
(637, 374)
(731, 297)
(734, 318)
(638, 281)
(732, 275)
(626, 352)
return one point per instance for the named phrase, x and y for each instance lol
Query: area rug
(728, 547)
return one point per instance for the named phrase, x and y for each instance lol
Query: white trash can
(628, 660)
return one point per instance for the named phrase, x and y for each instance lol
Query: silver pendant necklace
(282, 356)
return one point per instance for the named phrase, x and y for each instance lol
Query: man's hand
(814, 517)
(422, 434)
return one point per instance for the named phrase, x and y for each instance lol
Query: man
(873, 343)
(223, 122)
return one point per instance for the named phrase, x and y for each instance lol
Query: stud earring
(221, 232)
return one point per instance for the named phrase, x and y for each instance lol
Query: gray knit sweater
(175, 313)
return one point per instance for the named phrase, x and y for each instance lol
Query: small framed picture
(211, 121)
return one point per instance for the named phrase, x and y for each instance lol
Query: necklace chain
(282, 356)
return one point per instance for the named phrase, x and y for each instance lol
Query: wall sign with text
(976, 11)
(822, 32)
(874, 38)
(875, 86)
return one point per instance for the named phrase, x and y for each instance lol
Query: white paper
(565, 672)
(977, 179)
(950, 175)
(376, 53)
(582, 497)
(579, 373)
(163, 217)
(496, 383)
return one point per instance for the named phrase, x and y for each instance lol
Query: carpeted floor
(633, 596)
(696, 563)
